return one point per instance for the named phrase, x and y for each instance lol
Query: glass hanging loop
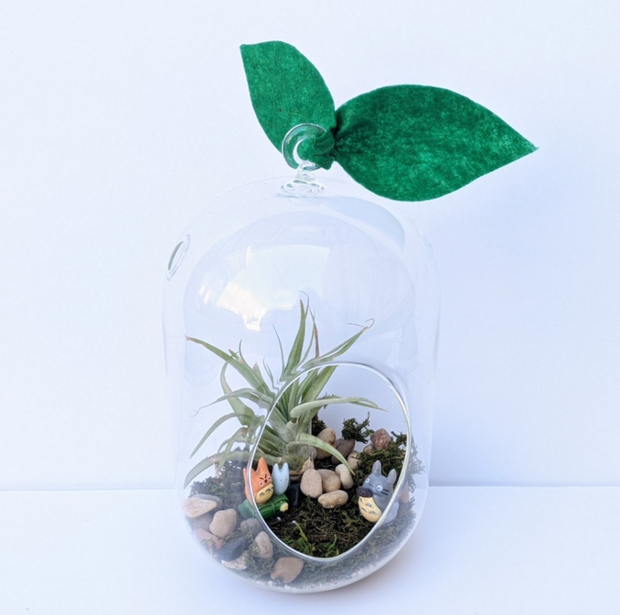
(303, 183)
(294, 138)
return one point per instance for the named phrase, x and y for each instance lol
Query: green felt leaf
(286, 89)
(413, 142)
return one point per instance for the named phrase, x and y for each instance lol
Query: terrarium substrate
(266, 551)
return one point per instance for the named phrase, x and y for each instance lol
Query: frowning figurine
(262, 486)
(260, 482)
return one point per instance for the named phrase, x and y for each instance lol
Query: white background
(120, 121)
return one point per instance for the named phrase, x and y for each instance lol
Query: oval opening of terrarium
(350, 468)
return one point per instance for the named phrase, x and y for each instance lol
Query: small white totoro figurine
(375, 493)
(280, 478)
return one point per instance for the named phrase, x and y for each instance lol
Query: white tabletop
(477, 551)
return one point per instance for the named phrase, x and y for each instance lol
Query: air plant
(295, 398)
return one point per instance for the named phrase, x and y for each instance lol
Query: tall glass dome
(299, 320)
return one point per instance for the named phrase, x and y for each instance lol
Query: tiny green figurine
(261, 485)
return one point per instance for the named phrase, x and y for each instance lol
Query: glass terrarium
(300, 330)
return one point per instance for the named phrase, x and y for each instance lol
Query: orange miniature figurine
(262, 486)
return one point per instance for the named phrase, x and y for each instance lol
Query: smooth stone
(232, 549)
(212, 498)
(345, 476)
(328, 435)
(241, 563)
(333, 499)
(224, 523)
(344, 447)
(403, 496)
(262, 547)
(369, 449)
(311, 484)
(201, 523)
(195, 507)
(252, 525)
(211, 542)
(294, 495)
(354, 460)
(330, 481)
(287, 569)
(380, 439)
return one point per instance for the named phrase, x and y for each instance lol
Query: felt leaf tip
(423, 142)
(404, 142)
(286, 90)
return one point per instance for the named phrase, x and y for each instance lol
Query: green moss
(392, 458)
(228, 485)
(400, 439)
(360, 432)
(318, 532)
(321, 532)
(381, 544)
(317, 426)
(258, 568)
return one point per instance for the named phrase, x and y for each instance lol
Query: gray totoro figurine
(375, 493)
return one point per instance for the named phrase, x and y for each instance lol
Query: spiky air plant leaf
(293, 400)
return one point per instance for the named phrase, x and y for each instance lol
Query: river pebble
(333, 499)
(224, 523)
(311, 484)
(287, 569)
(345, 476)
(330, 481)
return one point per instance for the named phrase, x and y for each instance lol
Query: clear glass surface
(239, 279)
